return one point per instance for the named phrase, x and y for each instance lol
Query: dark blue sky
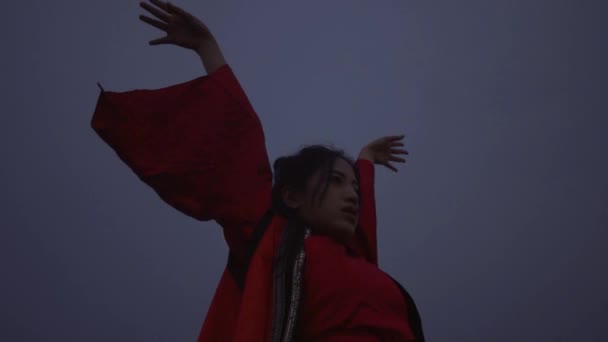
(497, 224)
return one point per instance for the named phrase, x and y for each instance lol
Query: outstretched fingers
(165, 9)
(394, 143)
(162, 15)
(158, 24)
(395, 137)
(394, 152)
(399, 151)
(391, 143)
(163, 40)
(164, 5)
(394, 140)
(171, 8)
(388, 165)
(161, 25)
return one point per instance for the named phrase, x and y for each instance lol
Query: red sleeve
(363, 336)
(360, 336)
(198, 144)
(364, 242)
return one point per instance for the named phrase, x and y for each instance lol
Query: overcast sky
(497, 224)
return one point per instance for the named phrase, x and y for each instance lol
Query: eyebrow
(344, 176)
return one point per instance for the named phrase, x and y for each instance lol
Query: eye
(336, 179)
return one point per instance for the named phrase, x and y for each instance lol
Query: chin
(343, 231)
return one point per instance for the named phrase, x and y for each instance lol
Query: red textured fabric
(200, 146)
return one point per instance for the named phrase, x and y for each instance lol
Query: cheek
(328, 215)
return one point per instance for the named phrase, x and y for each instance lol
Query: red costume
(201, 147)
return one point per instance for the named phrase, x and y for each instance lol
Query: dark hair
(294, 171)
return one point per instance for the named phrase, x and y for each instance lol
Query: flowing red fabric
(200, 146)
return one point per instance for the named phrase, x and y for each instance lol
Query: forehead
(341, 166)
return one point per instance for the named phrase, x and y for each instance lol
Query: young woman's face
(337, 215)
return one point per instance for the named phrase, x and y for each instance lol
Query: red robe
(201, 147)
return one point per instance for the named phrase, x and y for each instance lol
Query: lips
(350, 217)
(350, 210)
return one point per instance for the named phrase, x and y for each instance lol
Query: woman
(303, 262)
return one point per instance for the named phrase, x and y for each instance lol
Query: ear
(291, 198)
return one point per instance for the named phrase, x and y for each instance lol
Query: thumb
(163, 40)
(388, 165)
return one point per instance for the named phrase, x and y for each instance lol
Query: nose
(352, 198)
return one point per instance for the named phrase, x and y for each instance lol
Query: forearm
(211, 55)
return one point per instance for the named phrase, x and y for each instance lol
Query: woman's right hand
(182, 28)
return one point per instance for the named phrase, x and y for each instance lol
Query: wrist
(210, 54)
(366, 154)
(206, 44)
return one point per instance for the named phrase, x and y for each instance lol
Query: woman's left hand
(384, 150)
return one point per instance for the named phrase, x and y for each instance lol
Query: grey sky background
(497, 224)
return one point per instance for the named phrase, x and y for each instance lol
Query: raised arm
(185, 30)
(380, 151)
(198, 144)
